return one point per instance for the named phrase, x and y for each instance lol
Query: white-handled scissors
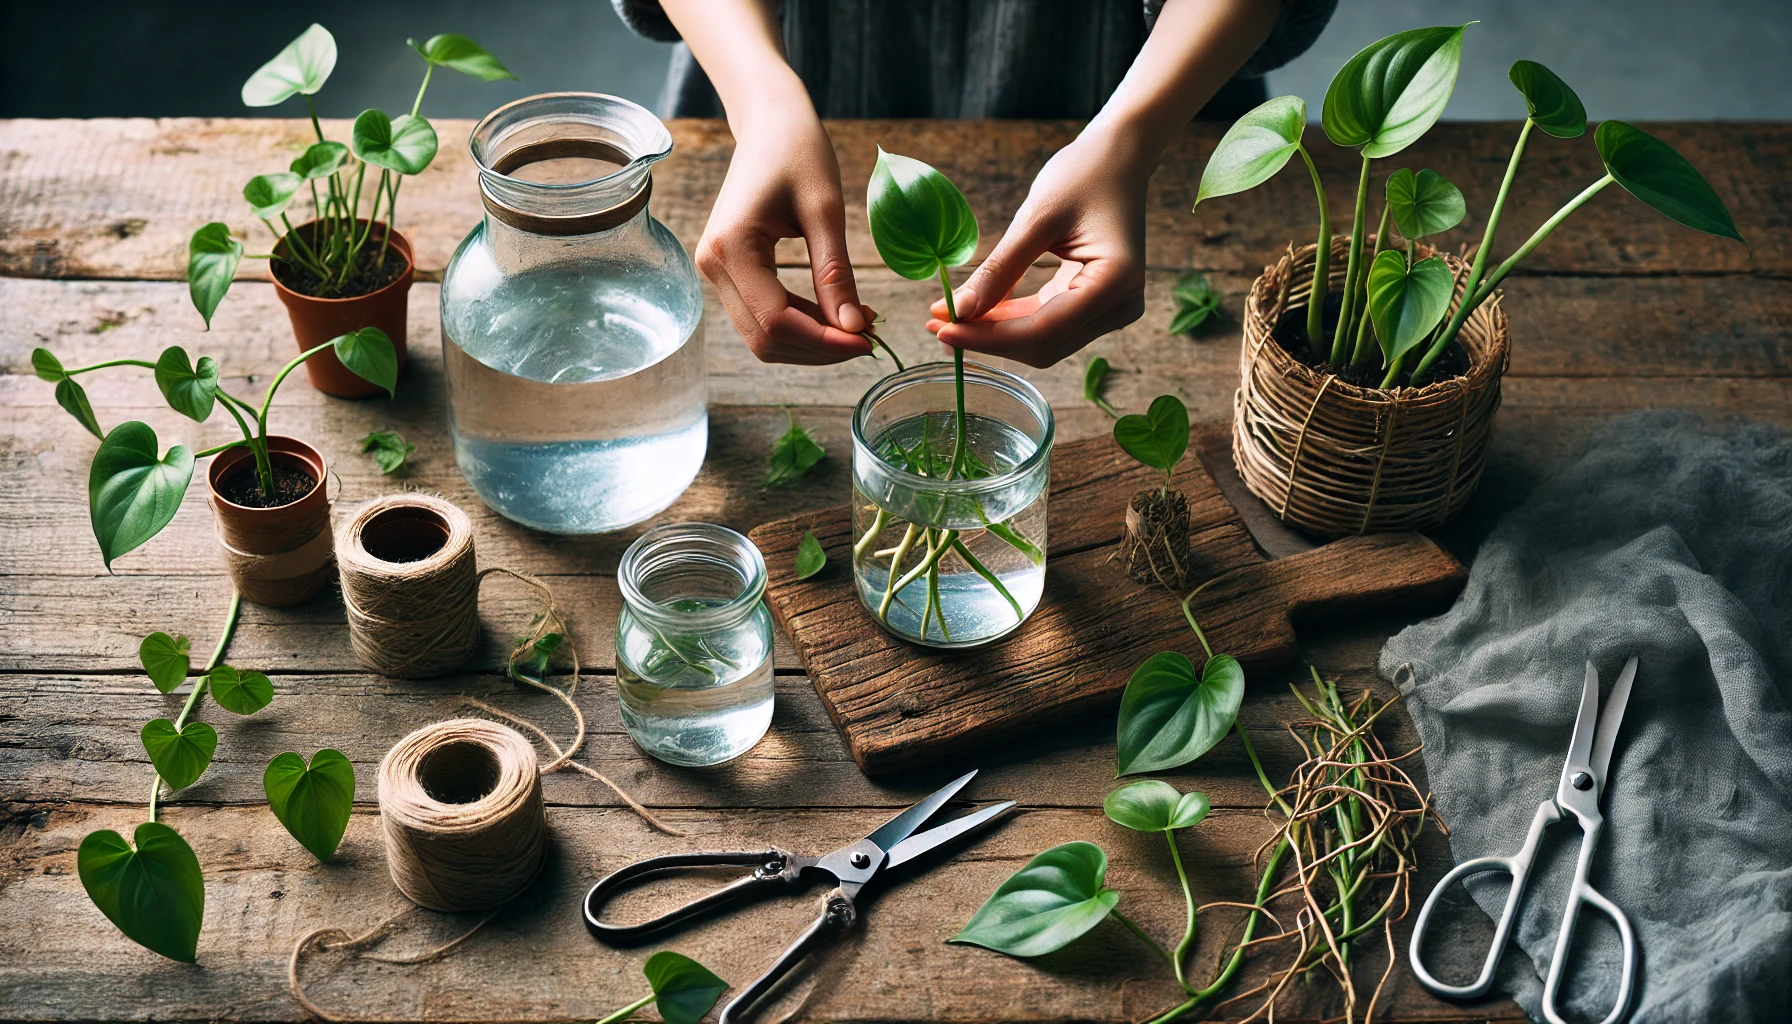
(1584, 778)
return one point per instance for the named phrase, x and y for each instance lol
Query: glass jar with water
(571, 322)
(694, 644)
(944, 556)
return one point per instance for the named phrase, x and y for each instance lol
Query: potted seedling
(1154, 546)
(1332, 429)
(267, 491)
(348, 267)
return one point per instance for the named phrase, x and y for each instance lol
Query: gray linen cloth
(1672, 542)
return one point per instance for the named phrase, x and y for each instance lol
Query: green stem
(1394, 369)
(1188, 897)
(871, 534)
(958, 440)
(1262, 776)
(261, 418)
(1499, 274)
(311, 105)
(392, 225)
(1264, 887)
(226, 446)
(991, 578)
(1340, 351)
(1322, 261)
(1363, 336)
(1196, 626)
(428, 69)
(1143, 936)
(199, 687)
(623, 1014)
(111, 362)
(906, 545)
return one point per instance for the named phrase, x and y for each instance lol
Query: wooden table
(1621, 310)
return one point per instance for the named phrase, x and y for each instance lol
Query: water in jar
(696, 698)
(1002, 533)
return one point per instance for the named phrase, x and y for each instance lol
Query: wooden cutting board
(900, 705)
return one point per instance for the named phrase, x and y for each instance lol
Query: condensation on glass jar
(982, 527)
(694, 644)
(571, 322)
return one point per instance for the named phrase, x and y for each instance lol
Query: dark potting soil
(242, 488)
(369, 275)
(1291, 334)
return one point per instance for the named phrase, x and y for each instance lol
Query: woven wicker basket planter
(1333, 458)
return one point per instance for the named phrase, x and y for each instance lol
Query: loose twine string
(460, 857)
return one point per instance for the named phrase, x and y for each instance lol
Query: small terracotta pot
(316, 321)
(276, 556)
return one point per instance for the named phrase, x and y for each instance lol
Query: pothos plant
(1155, 545)
(1383, 100)
(338, 257)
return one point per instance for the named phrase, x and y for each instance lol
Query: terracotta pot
(316, 321)
(276, 556)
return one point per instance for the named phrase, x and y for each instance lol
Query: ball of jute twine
(410, 585)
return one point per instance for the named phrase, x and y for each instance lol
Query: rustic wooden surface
(1620, 311)
(901, 706)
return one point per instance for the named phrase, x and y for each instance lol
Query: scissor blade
(1606, 736)
(1580, 747)
(915, 845)
(903, 825)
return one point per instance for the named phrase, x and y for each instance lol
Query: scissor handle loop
(1582, 892)
(772, 868)
(837, 915)
(1519, 867)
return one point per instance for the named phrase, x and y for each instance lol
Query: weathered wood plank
(118, 198)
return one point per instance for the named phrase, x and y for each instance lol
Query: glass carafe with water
(571, 322)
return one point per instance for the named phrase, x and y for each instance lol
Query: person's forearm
(740, 47)
(1194, 49)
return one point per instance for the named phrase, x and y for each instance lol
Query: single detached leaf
(242, 692)
(1196, 302)
(212, 256)
(1160, 437)
(1153, 805)
(1424, 203)
(369, 354)
(404, 144)
(1169, 717)
(180, 757)
(302, 67)
(1046, 905)
(1553, 106)
(314, 801)
(268, 194)
(389, 449)
(530, 661)
(47, 367)
(166, 660)
(1256, 146)
(463, 55)
(131, 493)
(1093, 378)
(809, 556)
(73, 398)
(1388, 95)
(1405, 303)
(154, 893)
(794, 453)
(190, 391)
(320, 161)
(919, 220)
(1652, 171)
(685, 990)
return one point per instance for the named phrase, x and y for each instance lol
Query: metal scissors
(1584, 777)
(892, 845)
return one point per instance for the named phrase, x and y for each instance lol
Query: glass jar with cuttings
(571, 322)
(694, 644)
(941, 556)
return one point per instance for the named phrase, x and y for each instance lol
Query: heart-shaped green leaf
(73, 398)
(1153, 805)
(1046, 905)
(1406, 304)
(1160, 437)
(389, 449)
(47, 367)
(320, 161)
(268, 194)
(1424, 203)
(180, 757)
(1552, 105)
(313, 802)
(302, 67)
(369, 354)
(919, 220)
(1256, 146)
(190, 390)
(131, 493)
(794, 453)
(212, 256)
(166, 659)
(404, 144)
(463, 55)
(810, 558)
(242, 692)
(1652, 171)
(1388, 95)
(1169, 717)
(684, 989)
(154, 893)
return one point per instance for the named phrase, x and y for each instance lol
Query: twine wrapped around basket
(1334, 458)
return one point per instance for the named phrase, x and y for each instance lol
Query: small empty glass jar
(694, 644)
